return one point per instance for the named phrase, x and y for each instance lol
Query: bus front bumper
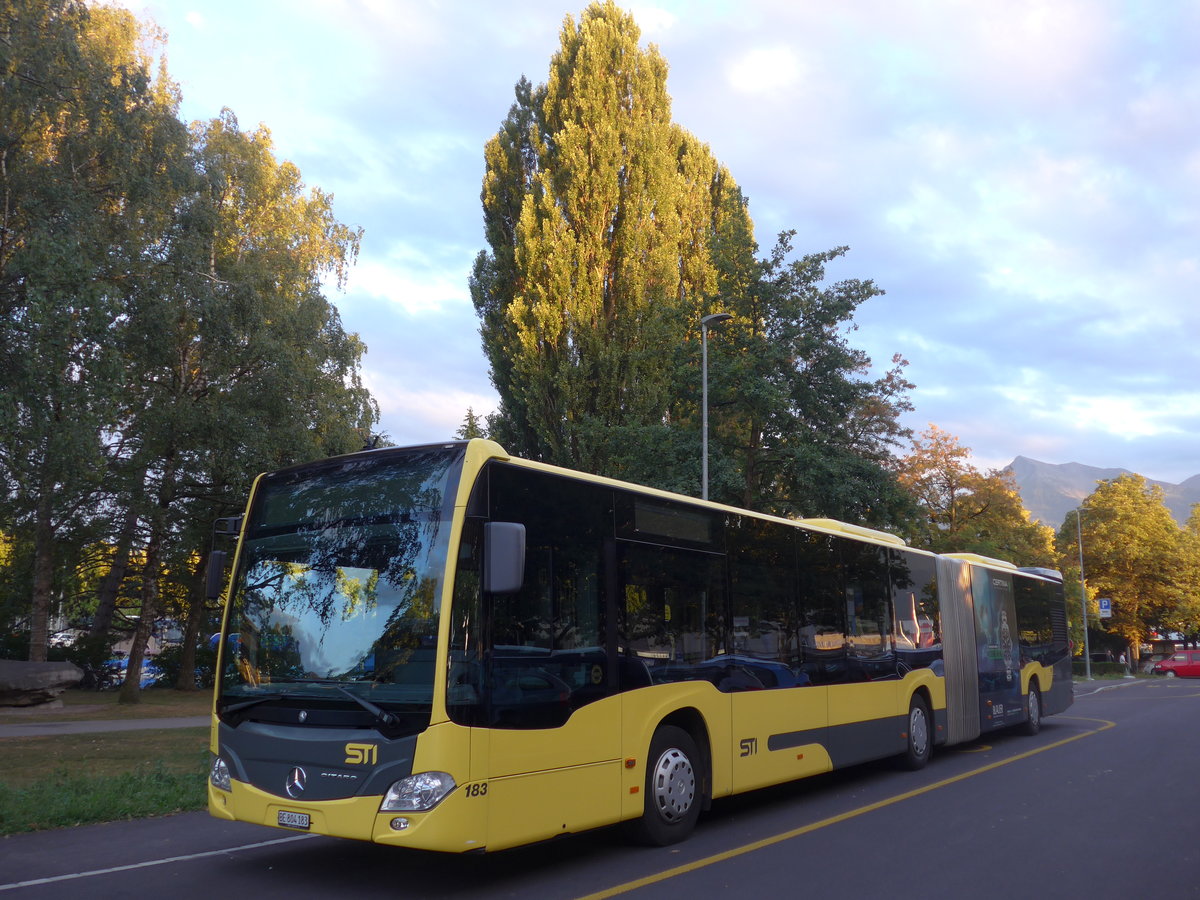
(454, 825)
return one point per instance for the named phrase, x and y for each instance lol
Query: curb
(1096, 687)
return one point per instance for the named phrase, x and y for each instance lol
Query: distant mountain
(1051, 491)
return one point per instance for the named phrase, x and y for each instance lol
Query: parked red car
(1185, 663)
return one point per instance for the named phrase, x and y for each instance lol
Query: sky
(1022, 178)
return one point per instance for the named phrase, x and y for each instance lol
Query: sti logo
(362, 754)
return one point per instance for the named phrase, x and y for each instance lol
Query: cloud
(411, 280)
(422, 413)
(423, 366)
(652, 20)
(765, 70)
(1147, 415)
(1021, 176)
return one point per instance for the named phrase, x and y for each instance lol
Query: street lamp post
(1087, 656)
(713, 319)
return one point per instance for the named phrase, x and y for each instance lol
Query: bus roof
(493, 450)
(980, 560)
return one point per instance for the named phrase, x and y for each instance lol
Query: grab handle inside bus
(503, 557)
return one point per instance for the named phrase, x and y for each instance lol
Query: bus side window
(821, 603)
(464, 684)
(674, 617)
(768, 623)
(547, 653)
(1040, 640)
(916, 617)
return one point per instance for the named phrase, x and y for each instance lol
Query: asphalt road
(1100, 805)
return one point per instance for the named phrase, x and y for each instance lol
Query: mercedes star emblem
(295, 782)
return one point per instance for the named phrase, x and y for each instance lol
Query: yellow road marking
(841, 817)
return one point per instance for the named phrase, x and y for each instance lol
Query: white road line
(153, 862)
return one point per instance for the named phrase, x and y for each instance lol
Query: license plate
(293, 819)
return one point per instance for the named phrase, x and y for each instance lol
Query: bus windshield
(339, 582)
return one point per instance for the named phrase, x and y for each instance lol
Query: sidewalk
(41, 729)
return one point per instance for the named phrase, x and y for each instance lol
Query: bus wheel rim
(674, 785)
(918, 729)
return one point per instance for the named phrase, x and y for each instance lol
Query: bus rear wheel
(673, 789)
(919, 745)
(1033, 712)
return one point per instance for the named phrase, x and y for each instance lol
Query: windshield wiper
(246, 704)
(383, 715)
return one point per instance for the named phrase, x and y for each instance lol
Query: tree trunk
(196, 610)
(43, 577)
(111, 585)
(131, 688)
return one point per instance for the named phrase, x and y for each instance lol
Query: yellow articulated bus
(448, 648)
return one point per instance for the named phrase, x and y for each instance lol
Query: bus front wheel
(919, 744)
(672, 794)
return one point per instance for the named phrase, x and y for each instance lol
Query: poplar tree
(599, 213)
(611, 233)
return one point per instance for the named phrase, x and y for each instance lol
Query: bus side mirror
(215, 576)
(503, 557)
(229, 526)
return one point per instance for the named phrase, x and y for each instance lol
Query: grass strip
(68, 800)
(66, 780)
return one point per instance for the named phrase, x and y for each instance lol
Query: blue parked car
(117, 666)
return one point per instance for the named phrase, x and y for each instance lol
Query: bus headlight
(417, 793)
(218, 775)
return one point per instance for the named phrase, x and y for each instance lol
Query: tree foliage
(965, 510)
(1186, 617)
(85, 137)
(611, 232)
(473, 426)
(799, 425)
(1136, 555)
(164, 328)
(597, 211)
